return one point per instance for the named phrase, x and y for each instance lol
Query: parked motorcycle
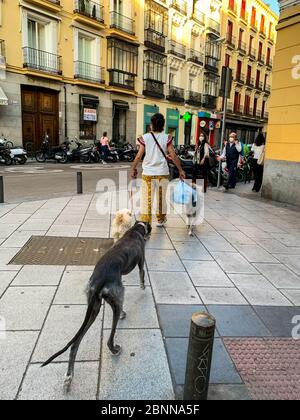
(126, 153)
(17, 154)
(76, 152)
(5, 157)
(47, 152)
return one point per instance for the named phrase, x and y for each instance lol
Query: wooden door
(39, 116)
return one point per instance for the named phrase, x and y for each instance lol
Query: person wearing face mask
(231, 154)
(201, 160)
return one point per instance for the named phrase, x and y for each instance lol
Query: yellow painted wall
(284, 119)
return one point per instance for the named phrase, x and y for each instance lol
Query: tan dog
(122, 223)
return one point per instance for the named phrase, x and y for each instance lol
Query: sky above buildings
(273, 4)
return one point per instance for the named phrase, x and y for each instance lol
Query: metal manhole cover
(50, 250)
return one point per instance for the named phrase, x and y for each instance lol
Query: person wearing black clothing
(258, 150)
(201, 160)
(231, 154)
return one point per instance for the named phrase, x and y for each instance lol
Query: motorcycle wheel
(130, 159)
(23, 160)
(115, 159)
(8, 161)
(85, 159)
(64, 158)
(40, 157)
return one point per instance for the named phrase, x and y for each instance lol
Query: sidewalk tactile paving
(270, 367)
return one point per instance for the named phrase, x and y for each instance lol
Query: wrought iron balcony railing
(242, 47)
(261, 59)
(154, 89)
(240, 78)
(213, 25)
(193, 98)
(175, 94)
(269, 63)
(121, 22)
(252, 53)
(209, 101)
(41, 60)
(121, 79)
(155, 40)
(230, 41)
(259, 85)
(177, 49)
(90, 9)
(195, 57)
(180, 5)
(250, 81)
(90, 72)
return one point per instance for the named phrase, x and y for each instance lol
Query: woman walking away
(201, 160)
(104, 146)
(258, 150)
(155, 145)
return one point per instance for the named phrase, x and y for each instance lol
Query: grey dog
(106, 283)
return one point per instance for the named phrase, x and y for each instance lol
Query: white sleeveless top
(154, 162)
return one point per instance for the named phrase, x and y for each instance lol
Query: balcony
(267, 89)
(230, 41)
(121, 79)
(242, 47)
(209, 101)
(244, 16)
(250, 81)
(240, 78)
(154, 89)
(193, 98)
(177, 49)
(195, 57)
(211, 64)
(261, 59)
(213, 26)
(155, 40)
(180, 5)
(122, 23)
(51, 5)
(41, 60)
(89, 72)
(269, 64)
(262, 32)
(199, 16)
(259, 85)
(237, 109)
(232, 8)
(175, 94)
(254, 25)
(252, 53)
(89, 9)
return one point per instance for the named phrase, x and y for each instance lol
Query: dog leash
(133, 184)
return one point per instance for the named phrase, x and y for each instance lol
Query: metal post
(222, 137)
(199, 356)
(1, 190)
(79, 183)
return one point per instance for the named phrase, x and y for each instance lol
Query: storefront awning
(121, 104)
(3, 97)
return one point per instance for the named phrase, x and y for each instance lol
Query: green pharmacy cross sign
(187, 117)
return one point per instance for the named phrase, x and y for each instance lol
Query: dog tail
(78, 334)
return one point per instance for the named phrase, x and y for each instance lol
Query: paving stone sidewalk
(242, 266)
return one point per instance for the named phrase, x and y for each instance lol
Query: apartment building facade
(70, 69)
(282, 166)
(76, 68)
(248, 30)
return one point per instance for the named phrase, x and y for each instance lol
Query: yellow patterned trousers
(154, 186)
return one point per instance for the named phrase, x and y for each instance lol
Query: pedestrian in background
(231, 154)
(104, 146)
(201, 160)
(258, 150)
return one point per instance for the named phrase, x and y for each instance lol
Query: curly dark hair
(158, 122)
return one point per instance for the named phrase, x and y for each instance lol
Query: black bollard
(79, 183)
(1, 190)
(199, 356)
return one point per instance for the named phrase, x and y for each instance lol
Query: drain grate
(50, 250)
